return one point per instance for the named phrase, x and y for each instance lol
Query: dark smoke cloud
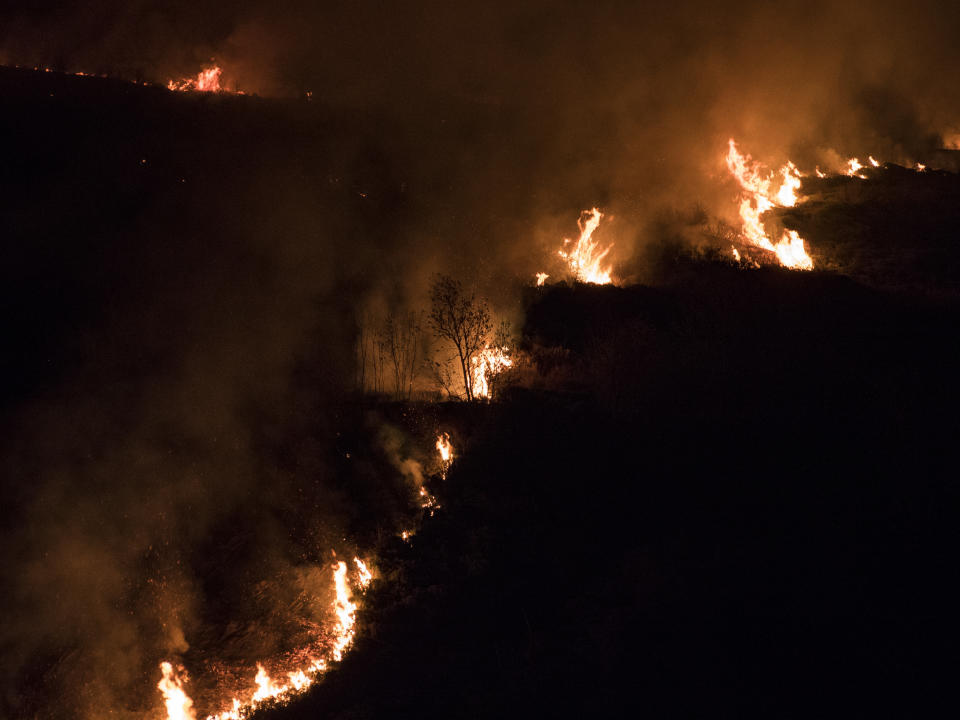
(626, 104)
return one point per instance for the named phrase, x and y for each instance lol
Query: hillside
(716, 489)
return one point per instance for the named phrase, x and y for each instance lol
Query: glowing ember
(541, 278)
(758, 198)
(585, 259)
(873, 162)
(484, 365)
(179, 706)
(207, 80)
(428, 501)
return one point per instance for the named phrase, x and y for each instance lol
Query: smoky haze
(183, 275)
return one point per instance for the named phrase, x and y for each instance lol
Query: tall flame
(445, 448)
(586, 258)
(345, 610)
(758, 198)
(484, 365)
(179, 705)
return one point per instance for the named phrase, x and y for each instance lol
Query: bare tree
(503, 337)
(461, 319)
(363, 351)
(443, 373)
(379, 358)
(402, 336)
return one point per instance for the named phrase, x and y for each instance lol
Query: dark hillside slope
(898, 228)
(764, 530)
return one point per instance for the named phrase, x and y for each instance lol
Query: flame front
(758, 198)
(179, 705)
(365, 576)
(346, 611)
(265, 689)
(854, 166)
(484, 365)
(585, 260)
(207, 80)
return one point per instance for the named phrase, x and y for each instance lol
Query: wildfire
(853, 168)
(541, 278)
(586, 258)
(787, 194)
(484, 365)
(758, 198)
(365, 576)
(179, 706)
(207, 80)
(444, 448)
(428, 501)
(346, 612)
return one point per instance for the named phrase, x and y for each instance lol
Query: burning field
(403, 362)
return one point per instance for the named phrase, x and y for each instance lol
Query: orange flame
(586, 258)
(445, 448)
(758, 198)
(345, 610)
(179, 706)
(541, 278)
(854, 166)
(207, 80)
(365, 576)
(484, 365)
